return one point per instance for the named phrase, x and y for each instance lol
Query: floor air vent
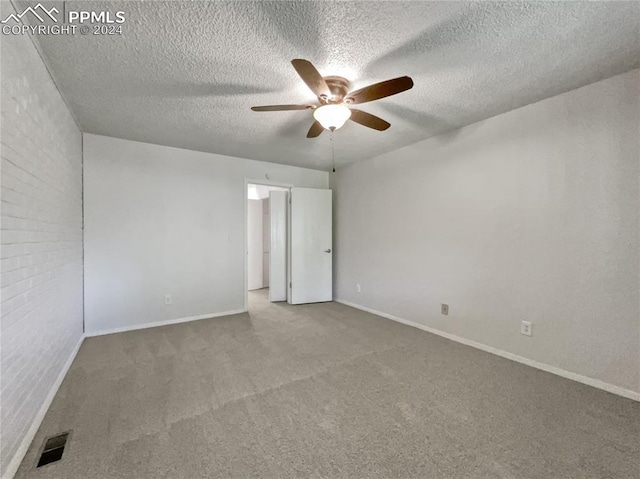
(53, 449)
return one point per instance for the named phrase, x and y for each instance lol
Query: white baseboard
(17, 458)
(596, 383)
(162, 323)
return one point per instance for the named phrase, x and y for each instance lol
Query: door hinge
(289, 284)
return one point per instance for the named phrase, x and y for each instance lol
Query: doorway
(288, 250)
(260, 266)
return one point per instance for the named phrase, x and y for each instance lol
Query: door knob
(327, 250)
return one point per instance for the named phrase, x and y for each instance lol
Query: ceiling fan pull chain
(333, 152)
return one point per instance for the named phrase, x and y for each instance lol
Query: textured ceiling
(184, 74)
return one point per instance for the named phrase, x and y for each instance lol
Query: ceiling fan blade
(281, 107)
(380, 90)
(312, 78)
(315, 130)
(369, 120)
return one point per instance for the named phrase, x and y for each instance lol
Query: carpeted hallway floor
(324, 391)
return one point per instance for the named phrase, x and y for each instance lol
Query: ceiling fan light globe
(332, 117)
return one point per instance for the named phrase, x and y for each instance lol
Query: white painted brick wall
(41, 238)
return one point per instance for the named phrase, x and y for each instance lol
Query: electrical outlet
(526, 328)
(444, 309)
(358, 288)
(167, 299)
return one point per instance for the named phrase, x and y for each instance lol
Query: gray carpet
(324, 391)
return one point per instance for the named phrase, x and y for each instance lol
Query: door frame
(247, 182)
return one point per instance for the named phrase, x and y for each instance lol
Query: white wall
(530, 215)
(161, 220)
(41, 241)
(254, 245)
(258, 238)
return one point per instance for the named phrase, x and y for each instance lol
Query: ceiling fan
(334, 96)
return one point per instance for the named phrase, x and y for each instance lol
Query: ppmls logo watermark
(43, 21)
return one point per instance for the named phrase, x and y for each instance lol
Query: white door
(311, 248)
(266, 242)
(278, 248)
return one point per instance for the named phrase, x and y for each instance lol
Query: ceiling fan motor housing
(339, 87)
